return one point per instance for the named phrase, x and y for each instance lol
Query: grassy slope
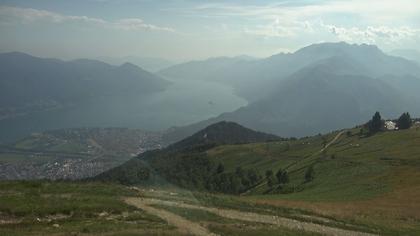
(371, 181)
(33, 208)
(354, 167)
(365, 179)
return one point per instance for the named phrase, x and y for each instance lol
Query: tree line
(377, 124)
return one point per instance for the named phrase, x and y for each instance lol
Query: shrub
(310, 174)
(282, 177)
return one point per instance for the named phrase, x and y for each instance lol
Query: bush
(310, 174)
(220, 168)
(282, 177)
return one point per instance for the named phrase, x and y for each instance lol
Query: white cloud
(10, 15)
(373, 35)
(137, 24)
(383, 10)
(361, 20)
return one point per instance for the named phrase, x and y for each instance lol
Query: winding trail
(184, 226)
(320, 151)
(293, 164)
(195, 229)
(332, 141)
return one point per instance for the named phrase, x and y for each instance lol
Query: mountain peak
(127, 66)
(338, 47)
(224, 132)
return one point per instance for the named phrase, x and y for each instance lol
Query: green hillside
(347, 165)
(371, 179)
(360, 182)
(355, 166)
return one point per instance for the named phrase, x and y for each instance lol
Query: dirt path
(320, 151)
(254, 217)
(332, 141)
(293, 164)
(183, 225)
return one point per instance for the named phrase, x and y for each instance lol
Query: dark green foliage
(310, 174)
(235, 183)
(268, 173)
(220, 168)
(270, 178)
(404, 122)
(253, 176)
(376, 123)
(282, 176)
(270, 181)
(239, 171)
(189, 170)
(187, 165)
(138, 172)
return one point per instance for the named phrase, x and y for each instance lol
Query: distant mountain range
(409, 54)
(152, 64)
(38, 94)
(318, 88)
(248, 77)
(30, 84)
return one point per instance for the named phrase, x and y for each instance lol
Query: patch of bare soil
(246, 216)
(183, 225)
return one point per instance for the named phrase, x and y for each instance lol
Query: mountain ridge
(27, 79)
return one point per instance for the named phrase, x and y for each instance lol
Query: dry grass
(397, 209)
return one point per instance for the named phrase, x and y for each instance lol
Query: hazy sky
(192, 29)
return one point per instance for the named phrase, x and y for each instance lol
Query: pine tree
(404, 122)
(375, 125)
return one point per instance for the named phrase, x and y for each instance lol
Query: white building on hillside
(390, 125)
